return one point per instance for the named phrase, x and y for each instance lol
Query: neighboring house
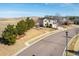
(40, 22)
(48, 22)
(62, 21)
(67, 20)
(53, 21)
(76, 21)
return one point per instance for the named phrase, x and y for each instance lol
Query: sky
(38, 9)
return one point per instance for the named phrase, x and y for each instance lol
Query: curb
(42, 37)
(39, 38)
(64, 52)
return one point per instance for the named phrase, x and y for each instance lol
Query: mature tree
(72, 18)
(30, 23)
(11, 31)
(21, 27)
(76, 21)
(9, 35)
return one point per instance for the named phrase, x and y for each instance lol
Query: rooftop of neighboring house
(51, 17)
(58, 18)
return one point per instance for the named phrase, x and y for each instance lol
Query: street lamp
(66, 40)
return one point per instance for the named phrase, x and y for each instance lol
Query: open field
(4, 23)
(6, 50)
(13, 21)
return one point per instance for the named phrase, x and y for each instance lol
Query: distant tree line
(75, 19)
(11, 32)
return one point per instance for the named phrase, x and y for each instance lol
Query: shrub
(21, 27)
(30, 23)
(9, 35)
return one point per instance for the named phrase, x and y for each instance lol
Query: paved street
(52, 45)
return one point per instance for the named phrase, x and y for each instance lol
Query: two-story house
(53, 21)
(48, 22)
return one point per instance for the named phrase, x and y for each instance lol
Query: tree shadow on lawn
(74, 52)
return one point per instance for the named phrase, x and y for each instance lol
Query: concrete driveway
(52, 45)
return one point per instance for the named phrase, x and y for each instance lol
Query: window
(50, 26)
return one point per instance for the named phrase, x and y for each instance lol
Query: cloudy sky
(41, 9)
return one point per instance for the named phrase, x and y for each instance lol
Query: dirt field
(20, 43)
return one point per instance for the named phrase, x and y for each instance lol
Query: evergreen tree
(30, 23)
(21, 27)
(9, 35)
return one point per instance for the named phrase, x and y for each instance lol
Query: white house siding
(45, 21)
(54, 25)
(53, 22)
